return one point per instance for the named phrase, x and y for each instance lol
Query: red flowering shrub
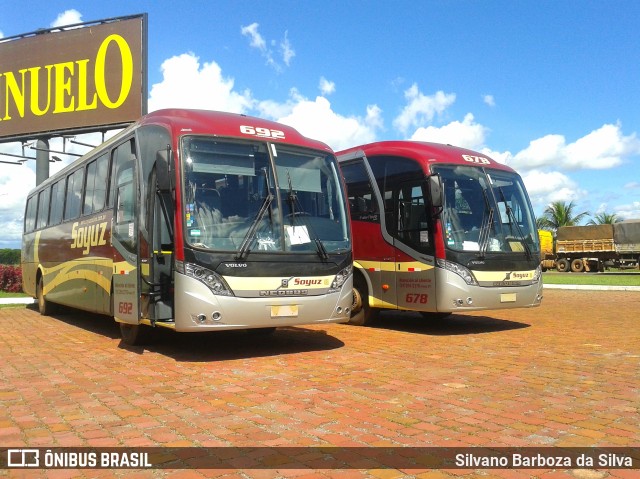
(10, 278)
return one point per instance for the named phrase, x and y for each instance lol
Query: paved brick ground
(565, 374)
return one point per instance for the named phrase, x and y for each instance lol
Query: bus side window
(89, 188)
(57, 203)
(121, 157)
(43, 208)
(74, 195)
(30, 216)
(124, 230)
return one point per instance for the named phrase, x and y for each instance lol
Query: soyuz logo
(88, 236)
(306, 282)
(300, 282)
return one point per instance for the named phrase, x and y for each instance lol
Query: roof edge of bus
(425, 148)
(174, 119)
(199, 121)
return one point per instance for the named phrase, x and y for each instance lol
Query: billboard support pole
(42, 160)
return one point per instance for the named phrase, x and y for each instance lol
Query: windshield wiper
(293, 200)
(248, 238)
(251, 233)
(485, 227)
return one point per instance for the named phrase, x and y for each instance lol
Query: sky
(550, 88)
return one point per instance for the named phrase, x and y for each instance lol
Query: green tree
(604, 219)
(560, 213)
(9, 256)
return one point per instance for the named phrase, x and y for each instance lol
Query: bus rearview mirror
(163, 169)
(435, 191)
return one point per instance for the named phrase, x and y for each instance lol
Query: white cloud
(187, 84)
(327, 87)
(499, 156)
(317, 120)
(257, 41)
(421, 109)
(546, 187)
(287, 50)
(603, 148)
(489, 100)
(466, 134)
(68, 17)
(628, 211)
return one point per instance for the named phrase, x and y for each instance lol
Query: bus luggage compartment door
(125, 298)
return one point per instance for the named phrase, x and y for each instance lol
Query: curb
(17, 301)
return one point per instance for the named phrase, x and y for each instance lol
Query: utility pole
(42, 160)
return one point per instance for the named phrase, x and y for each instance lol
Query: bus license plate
(508, 298)
(284, 311)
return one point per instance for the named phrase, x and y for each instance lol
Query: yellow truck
(591, 247)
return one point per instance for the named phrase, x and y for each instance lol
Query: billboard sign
(76, 79)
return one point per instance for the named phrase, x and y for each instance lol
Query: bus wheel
(577, 266)
(361, 312)
(45, 307)
(562, 265)
(134, 334)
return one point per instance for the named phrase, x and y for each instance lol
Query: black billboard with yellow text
(73, 80)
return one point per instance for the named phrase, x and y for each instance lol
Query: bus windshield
(486, 211)
(256, 197)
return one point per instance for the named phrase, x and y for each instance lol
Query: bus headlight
(340, 278)
(458, 269)
(537, 273)
(214, 281)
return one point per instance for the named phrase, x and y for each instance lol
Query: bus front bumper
(198, 309)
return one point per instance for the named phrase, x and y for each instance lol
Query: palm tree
(559, 214)
(604, 219)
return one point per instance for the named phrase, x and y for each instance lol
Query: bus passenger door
(414, 248)
(157, 294)
(126, 287)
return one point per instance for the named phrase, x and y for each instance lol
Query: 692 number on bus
(262, 132)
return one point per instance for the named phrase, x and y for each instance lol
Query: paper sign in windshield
(297, 234)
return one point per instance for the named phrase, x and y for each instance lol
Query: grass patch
(592, 279)
(4, 294)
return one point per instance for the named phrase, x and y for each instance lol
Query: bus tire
(361, 313)
(577, 265)
(134, 334)
(45, 307)
(562, 265)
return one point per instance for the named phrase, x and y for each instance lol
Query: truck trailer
(592, 247)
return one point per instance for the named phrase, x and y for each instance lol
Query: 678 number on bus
(417, 298)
